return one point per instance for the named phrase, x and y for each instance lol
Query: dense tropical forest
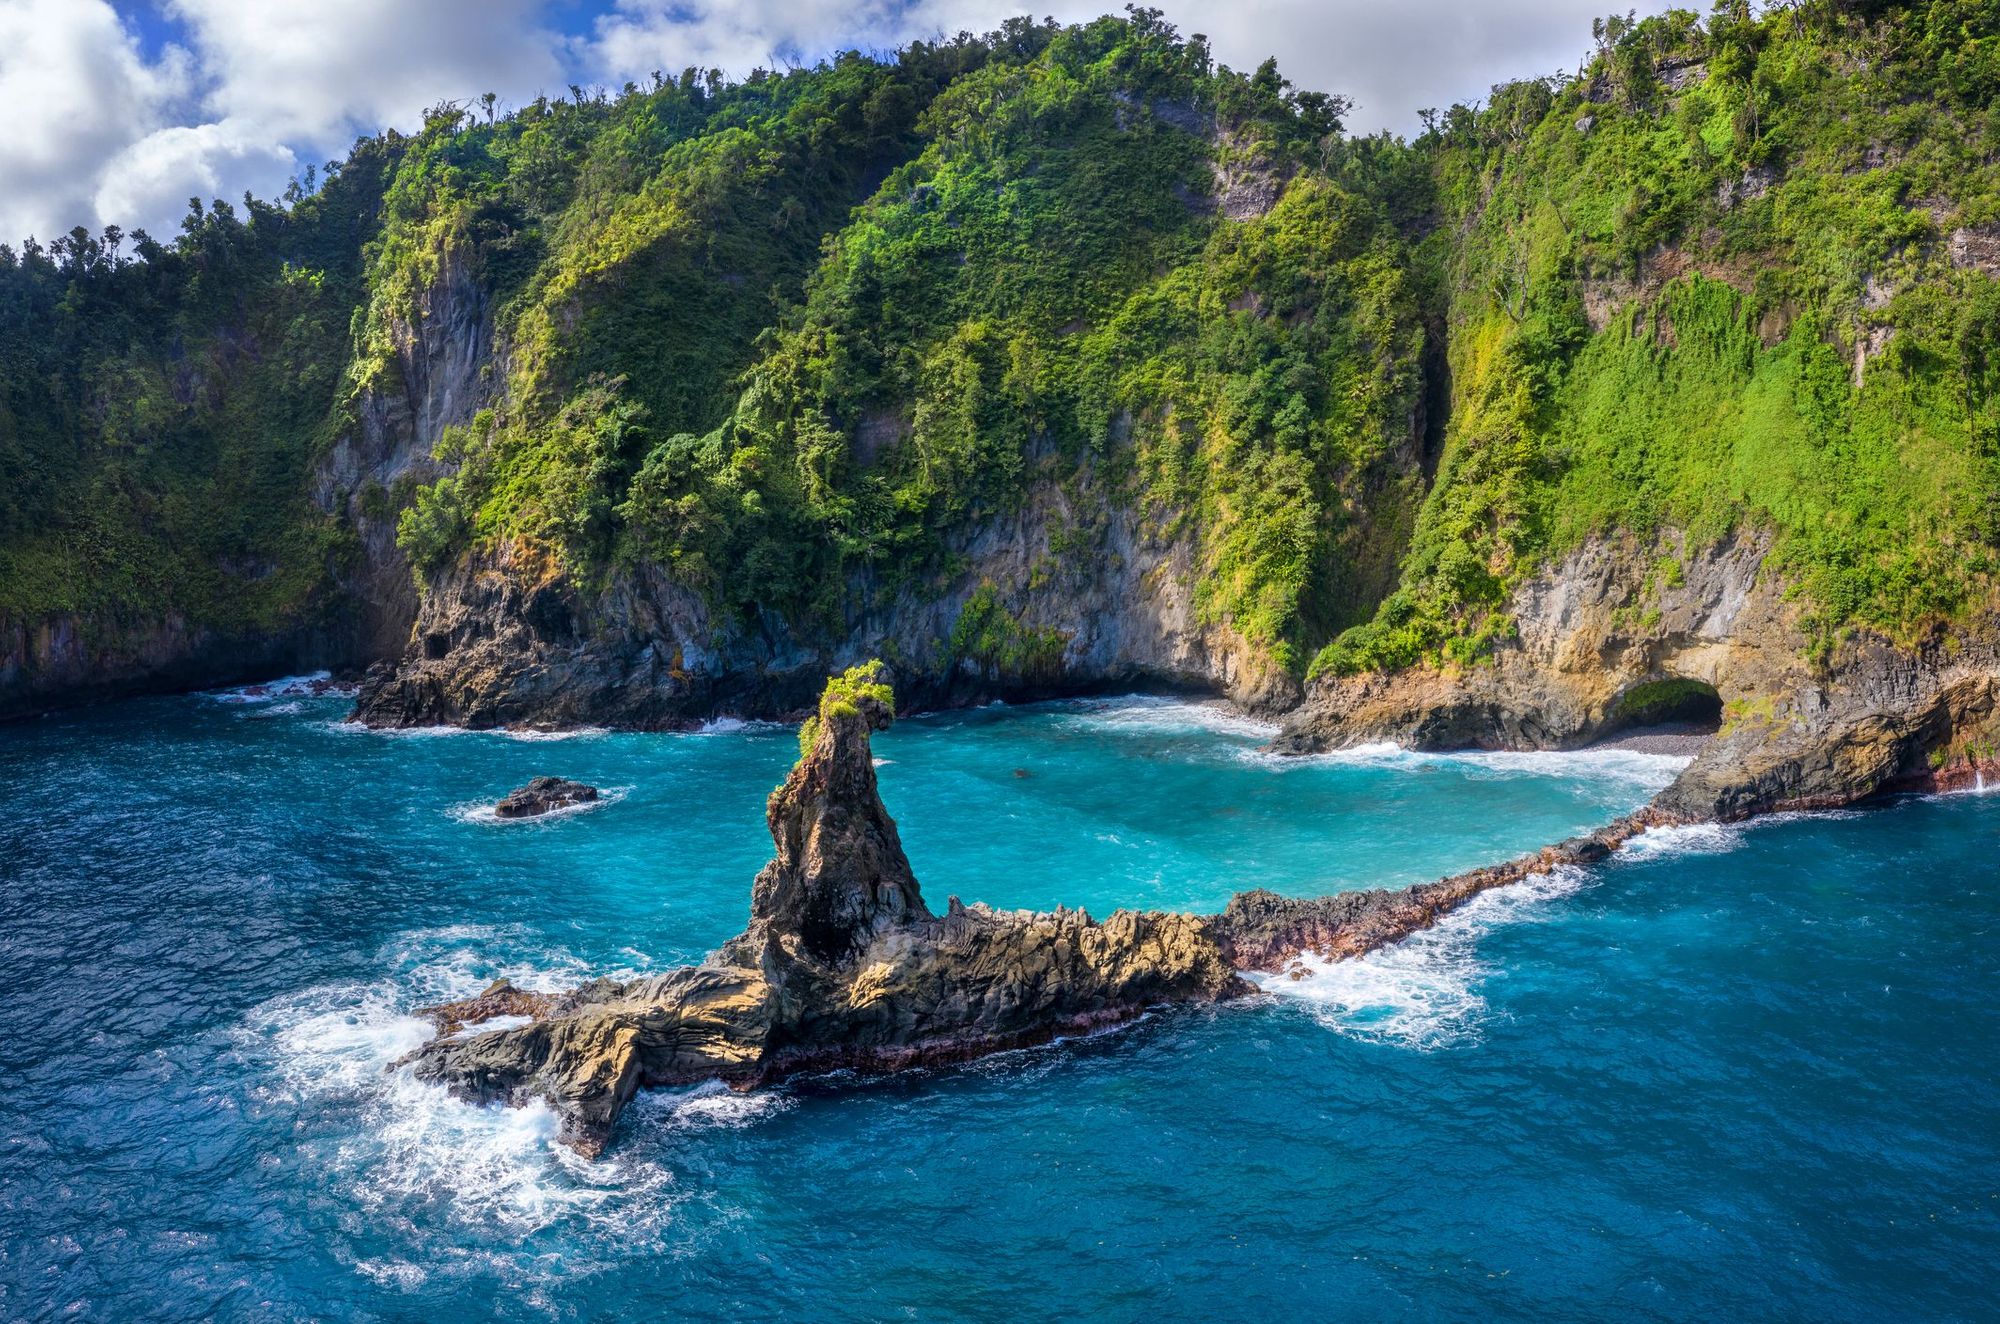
(786, 339)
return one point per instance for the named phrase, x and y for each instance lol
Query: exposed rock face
(544, 794)
(842, 965)
(839, 876)
(438, 378)
(1261, 930)
(442, 373)
(64, 660)
(1594, 629)
(507, 639)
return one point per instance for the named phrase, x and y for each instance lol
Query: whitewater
(1628, 1090)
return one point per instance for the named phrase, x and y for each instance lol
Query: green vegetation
(1665, 274)
(987, 633)
(794, 339)
(843, 696)
(158, 416)
(1039, 285)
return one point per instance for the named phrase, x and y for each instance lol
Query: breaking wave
(311, 685)
(429, 1167)
(1423, 992)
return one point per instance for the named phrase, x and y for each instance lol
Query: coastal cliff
(1063, 359)
(1605, 640)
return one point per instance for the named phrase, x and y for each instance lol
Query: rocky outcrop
(544, 795)
(1074, 591)
(1262, 930)
(1617, 619)
(843, 965)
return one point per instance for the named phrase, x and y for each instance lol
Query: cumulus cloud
(1391, 59)
(254, 90)
(250, 90)
(77, 93)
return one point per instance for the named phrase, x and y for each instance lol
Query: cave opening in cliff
(1674, 701)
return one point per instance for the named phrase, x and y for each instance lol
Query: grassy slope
(1718, 388)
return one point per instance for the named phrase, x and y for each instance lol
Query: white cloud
(153, 178)
(99, 134)
(77, 92)
(1392, 59)
(1396, 59)
(322, 72)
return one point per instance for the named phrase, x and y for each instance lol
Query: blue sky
(120, 110)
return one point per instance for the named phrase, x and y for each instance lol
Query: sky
(118, 111)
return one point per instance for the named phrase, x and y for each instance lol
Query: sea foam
(408, 1151)
(1422, 992)
(482, 811)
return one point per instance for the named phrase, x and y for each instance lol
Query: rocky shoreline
(844, 966)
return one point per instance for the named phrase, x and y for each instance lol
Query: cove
(218, 915)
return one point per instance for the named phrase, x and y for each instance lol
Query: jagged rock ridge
(842, 965)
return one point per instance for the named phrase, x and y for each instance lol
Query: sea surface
(1735, 1073)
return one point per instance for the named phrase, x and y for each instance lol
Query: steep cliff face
(1615, 623)
(440, 372)
(1071, 591)
(61, 661)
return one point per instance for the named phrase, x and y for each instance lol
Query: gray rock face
(505, 640)
(443, 368)
(1594, 629)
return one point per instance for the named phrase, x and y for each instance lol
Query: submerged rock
(544, 794)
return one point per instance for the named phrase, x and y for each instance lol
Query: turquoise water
(1741, 1073)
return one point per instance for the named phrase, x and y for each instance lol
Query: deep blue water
(1736, 1074)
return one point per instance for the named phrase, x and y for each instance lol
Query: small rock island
(544, 795)
(845, 966)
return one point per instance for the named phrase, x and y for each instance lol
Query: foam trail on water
(482, 812)
(313, 684)
(730, 726)
(1422, 992)
(532, 734)
(1684, 839)
(1651, 771)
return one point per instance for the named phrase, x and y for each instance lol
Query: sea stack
(843, 965)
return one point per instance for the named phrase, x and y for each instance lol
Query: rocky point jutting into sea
(845, 966)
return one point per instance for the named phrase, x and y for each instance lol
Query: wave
(1717, 838)
(1649, 771)
(311, 685)
(441, 730)
(730, 726)
(1153, 714)
(1685, 839)
(1423, 992)
(481, 811)
(407, 1151)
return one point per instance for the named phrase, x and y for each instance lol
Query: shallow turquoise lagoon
(1736, 1073)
